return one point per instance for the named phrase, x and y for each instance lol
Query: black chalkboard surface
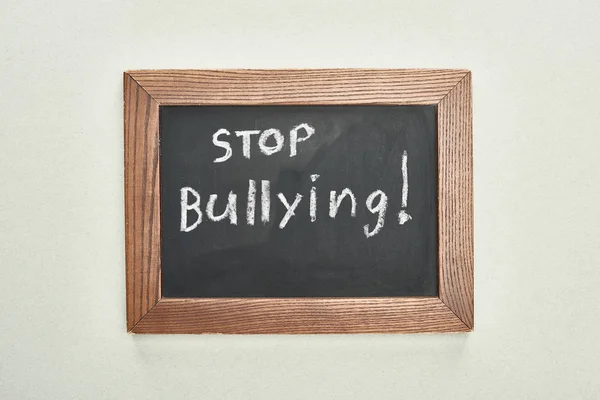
(247, 208)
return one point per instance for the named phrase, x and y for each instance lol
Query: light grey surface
(537, 194)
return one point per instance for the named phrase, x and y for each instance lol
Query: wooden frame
(146, 90)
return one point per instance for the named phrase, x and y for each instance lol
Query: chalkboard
(299, 201)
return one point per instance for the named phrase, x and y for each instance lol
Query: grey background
(537, 243)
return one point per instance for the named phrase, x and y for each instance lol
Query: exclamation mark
(403, 215)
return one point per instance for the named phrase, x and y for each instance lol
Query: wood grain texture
(142, 214)
(145, 91)
(297, 87)
(455, 188)
(301, 315)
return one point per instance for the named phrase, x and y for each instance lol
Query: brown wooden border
(147, 312)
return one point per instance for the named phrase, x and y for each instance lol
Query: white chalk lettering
(313, 199)
(335, 202)
(405, 179)
(380, 208)
(403, 216)
(223, 144)
(265, 136)
(294, 139)
(290, 209)
(230, 210)
(262, 141)
(269, 142)
(245, 135)
(251, 208)
(185, 207)
(265, 201)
